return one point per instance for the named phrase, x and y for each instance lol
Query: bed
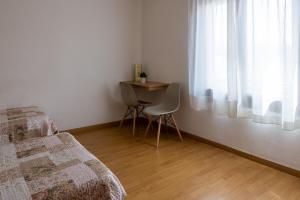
(37, 162)
(54, 167)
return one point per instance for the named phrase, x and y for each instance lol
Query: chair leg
(176, 127)
(124, 117)
(134, 118)
(166, 123)
(137, 112)
(149, 124)
(158, 132)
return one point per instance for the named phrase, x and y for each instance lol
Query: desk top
(149, 85)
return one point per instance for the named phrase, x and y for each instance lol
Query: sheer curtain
(244, 59)
(210, 50)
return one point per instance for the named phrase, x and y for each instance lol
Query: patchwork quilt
(55, 167)
(17, 124)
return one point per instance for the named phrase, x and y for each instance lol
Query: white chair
(166, 109)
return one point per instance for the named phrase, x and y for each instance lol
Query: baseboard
(248, 156)
(91, 128)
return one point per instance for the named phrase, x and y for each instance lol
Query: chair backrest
(128, 95)
(172, 97)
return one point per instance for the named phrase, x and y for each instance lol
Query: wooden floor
(188, 170)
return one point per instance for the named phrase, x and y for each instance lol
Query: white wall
(164, 52)
(68, 56)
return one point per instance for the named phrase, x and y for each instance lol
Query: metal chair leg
(158, 132)
(134, 118)
(124, 117)
(149, 124)
(166, 123)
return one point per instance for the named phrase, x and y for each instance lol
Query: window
(246, 53)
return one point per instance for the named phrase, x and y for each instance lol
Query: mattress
(54, 167)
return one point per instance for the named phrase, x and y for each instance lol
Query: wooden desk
(149, 85)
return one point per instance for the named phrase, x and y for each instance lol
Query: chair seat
(158, 110)
(141, 102)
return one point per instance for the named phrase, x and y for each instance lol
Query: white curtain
(208, 74)
(244, 59)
